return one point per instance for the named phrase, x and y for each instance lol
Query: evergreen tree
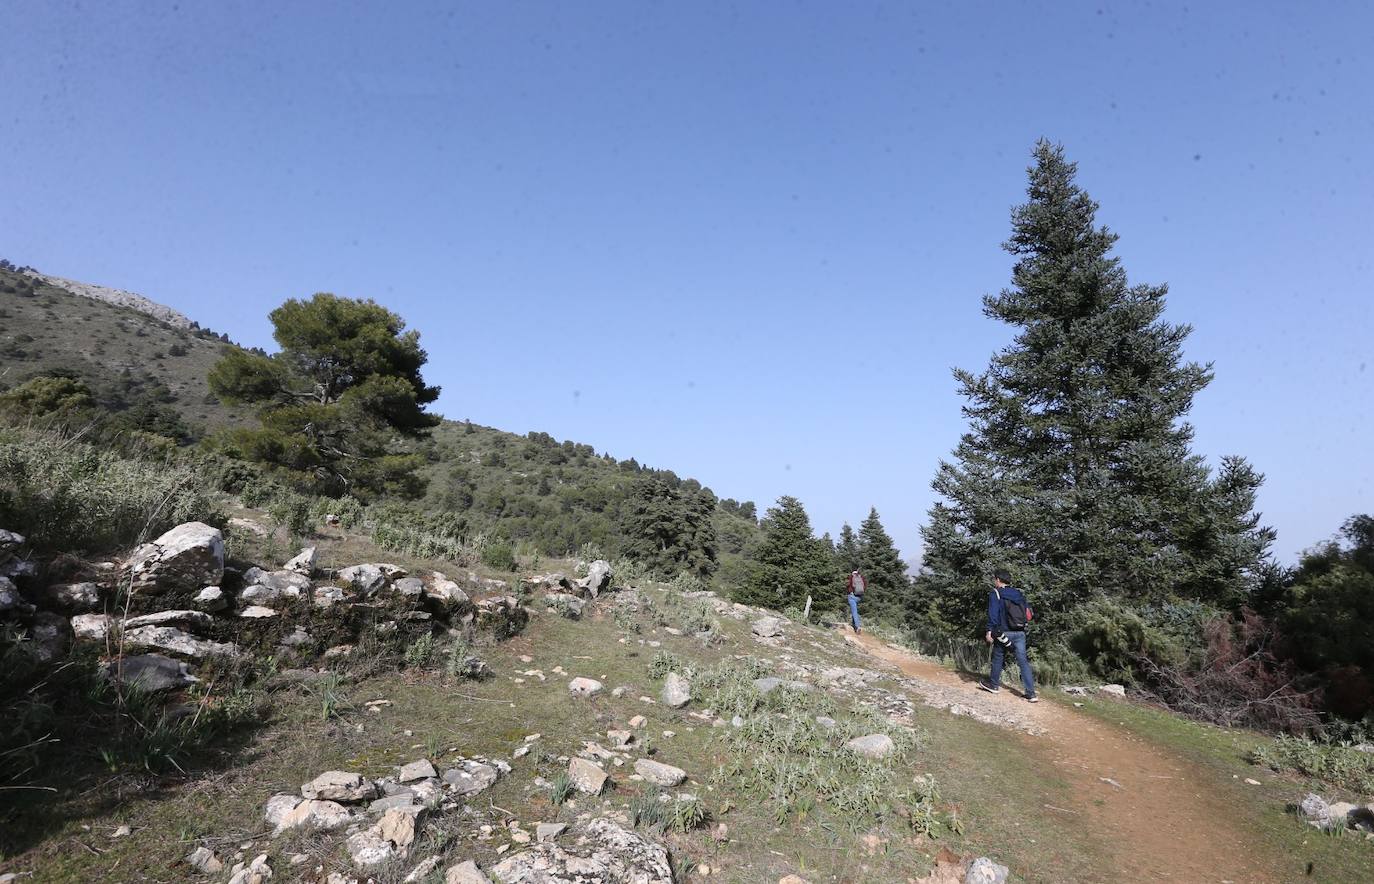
(790, 563)
(847, 550)
(889, 590)
(670, 529)
(335, 401)
(1076, 471)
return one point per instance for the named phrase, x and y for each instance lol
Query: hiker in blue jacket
(1002, 636)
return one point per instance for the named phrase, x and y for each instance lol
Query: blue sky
(743, 241)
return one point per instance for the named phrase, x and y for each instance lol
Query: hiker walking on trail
(1008, 617)
(857, 585)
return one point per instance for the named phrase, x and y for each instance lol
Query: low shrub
(499, 556)
(1340, 765)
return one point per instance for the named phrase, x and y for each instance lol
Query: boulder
(598, 578)
(369, 848)
(767, 627)
(267, 586)
(256, 872)
(174, 641)
(584, 687)
(399, 825)
(303, 562)
(366, 579)
(211, 599)
(1114, 690)
(9, 543)
(872, 746)
(91, 627)
(76, 598)
(190, 555)
(677, 691)
(151, 673)
(409, 587)
(278, 807)
(444, 592)
(660, 774)
(465, 873)
(586, 776)
(203, 860)
(502, 615)
(314, 814)
(603, 851)
(10, 599)
(549, 831)
(338, 785)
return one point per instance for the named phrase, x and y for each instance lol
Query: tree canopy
(1076, 470)
(790, 563)
(338, 399)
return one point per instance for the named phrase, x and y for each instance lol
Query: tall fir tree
(1076, 470)
(847, 550)
(670, 529)
(889, 590)
(790, 563)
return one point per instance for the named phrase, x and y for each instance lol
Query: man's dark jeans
(1018, 646)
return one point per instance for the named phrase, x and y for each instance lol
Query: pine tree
(1076, 470)
(847, 550)
(887, 596)
(790, 563)
(670, 529)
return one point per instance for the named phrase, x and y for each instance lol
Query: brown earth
(1153, 811)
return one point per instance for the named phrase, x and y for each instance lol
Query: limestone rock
(257, 612)
(303, 562)
(771, 683)
(9, 542)
(409, 587)
(258, 871)
(338, 785)
(471, 777)
(677, 691)
(660, 774)
(604, 852)
(598, 578)
(584, 687)
(549, 831)
(984, 871)
(568, 605)
(203, 860)
(366, 579)
(75, 597)
(316, 815)
(249, 526)
(767, 627)
(163, 618)
(10, 599)
(369, 848)
(872, 746)
(417, 770)
(190, 555)
(1115, 690)
(211, 599)
(586, 776)
(267, 586)
(151, 672)
(423, 871)
(444, 592)
(279, 807)
(465, 873)
(49, 637)
(174, 641)
(1314, 807)
(399, 825)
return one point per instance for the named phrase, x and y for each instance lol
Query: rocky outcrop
(598, 579)
(188, 557)
(603, 852)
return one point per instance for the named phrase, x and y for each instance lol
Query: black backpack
(1016, 615)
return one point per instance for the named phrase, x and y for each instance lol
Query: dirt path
(1156, 815)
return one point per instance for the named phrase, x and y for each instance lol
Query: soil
(1154, 812)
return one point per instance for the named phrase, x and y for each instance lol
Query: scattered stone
(399, 824)
(444, 592)
(603, 852)
(567, 605)
(549, 831)
(677, 691)
(1115, 690)
(303, 562)
(872, 746)
(586, 776)
(984, 871)
(162, 618)
(368, 848)
(417, 770)
(471, 777)
(211, 599)
(203, 860)
(10, 599)
(267, 586)
(584, 687)
(1314, 807)
(338, 785)
(422, 871)
(257, 612)
(1075, 690)
(188, 556)
(316, 815)
(660, 774)
(465, 873)
(249, 526)
(638, 722)
(767, 627)
(258, 871)
(88, 627)
(174, 641)
(1251, 782)
(793, 879)
(771, 683)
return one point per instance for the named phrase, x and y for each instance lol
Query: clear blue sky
(742, 241)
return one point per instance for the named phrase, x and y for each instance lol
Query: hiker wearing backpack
(857, 585)
(1008, 617)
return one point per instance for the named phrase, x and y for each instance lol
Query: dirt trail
(1159, 821)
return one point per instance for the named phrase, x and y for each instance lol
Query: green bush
(499, 556)
(1343, 766)
(66, 495)
(1112, 638)
(294, 513)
